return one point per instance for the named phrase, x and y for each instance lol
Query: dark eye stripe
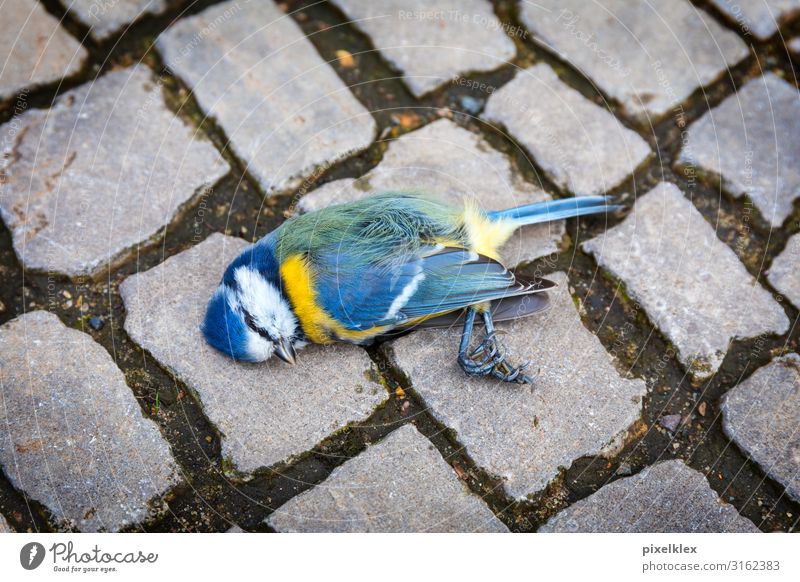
(251, 323)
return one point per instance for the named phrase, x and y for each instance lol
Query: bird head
(249, 318)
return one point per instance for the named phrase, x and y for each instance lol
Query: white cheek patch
(265, 303)
(258, 349)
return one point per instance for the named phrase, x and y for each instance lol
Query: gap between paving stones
(605, 310)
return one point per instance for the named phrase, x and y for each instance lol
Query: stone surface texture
(668, 497)
(577, 405)
(5, 527)
(647, 56)
(34, 49)
(691, 285)
(762, 416)
(784, 274)
(581, 147)
(432, 42)
(794, 48)
(400, 484)
(456, 164)
(761, 18)
(100, 172)
(265, 412)
(107, 17)
(285, 111)
(752, 142)
(74, 437)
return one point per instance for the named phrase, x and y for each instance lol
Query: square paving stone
(784, 274)
(762, 416)
(285, 111)
(668, 497)
(34, 49)
(524, 434)
(752, 142)
(400, 484)
(74, 437)
(650, 57)
(100, 172)
(266, 412)
(580, 146)
(761, 18)
(107, 17)
(455, 164)
(431, 43)
(690, 284)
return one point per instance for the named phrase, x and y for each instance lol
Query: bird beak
(285, 351)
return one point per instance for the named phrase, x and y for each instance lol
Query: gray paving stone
(690, 284)
(647, 56)
(762, 416)
(577, 405)
(5, 527)
(582, 147)
(400, 484)
(74, 437)
(286, 112)
(760, 18)
(668, 497)
(100, 172)
(34, 49)
(432, 42)
(784, 273)
(445, 159)
(752, 141)
(265, 412)
(107, 17)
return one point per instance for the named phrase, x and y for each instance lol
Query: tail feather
(555, 210)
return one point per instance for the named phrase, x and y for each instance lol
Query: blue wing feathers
(426, 283)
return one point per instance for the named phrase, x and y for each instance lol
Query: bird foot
(489, 359)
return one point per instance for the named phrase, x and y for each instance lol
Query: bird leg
(488, 358)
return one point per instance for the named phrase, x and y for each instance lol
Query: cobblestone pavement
(146, 143)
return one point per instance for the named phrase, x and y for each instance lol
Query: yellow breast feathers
(319, 327)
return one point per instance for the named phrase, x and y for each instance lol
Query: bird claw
(493, 363)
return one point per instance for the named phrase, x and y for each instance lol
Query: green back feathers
(377, 229)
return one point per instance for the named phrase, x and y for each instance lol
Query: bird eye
(251, 323)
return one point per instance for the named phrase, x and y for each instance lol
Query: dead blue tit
(382, 265)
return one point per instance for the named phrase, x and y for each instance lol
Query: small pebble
(624, 469)
(346, 59)
(96, 323)
(470, 104)
(670, 422)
